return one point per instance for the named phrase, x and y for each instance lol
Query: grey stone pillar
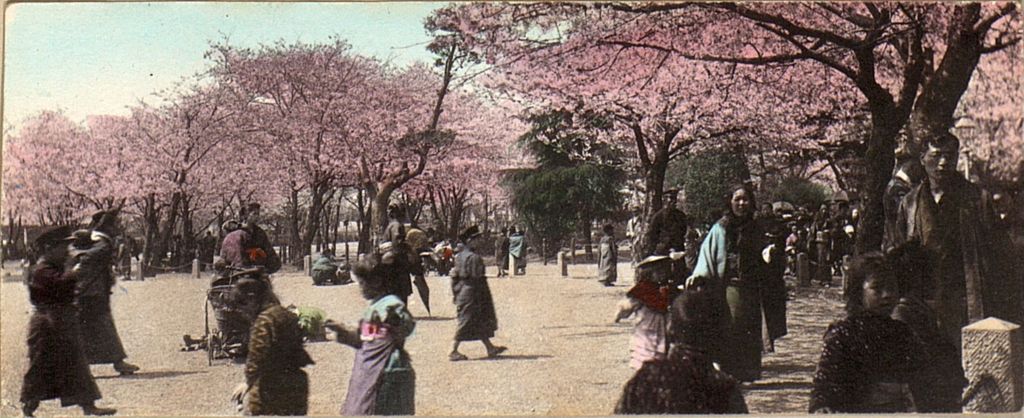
(141, 271)
(195, 268)
(993, 355)
(564, 268)
(307, 265)
(803, 270)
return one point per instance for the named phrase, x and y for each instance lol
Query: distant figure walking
(517, 250)
(501, 252)
(607, 257)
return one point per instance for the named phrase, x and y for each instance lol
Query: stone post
(572, 247)
(141, 271)
(307, 265)
(561, 264)
(195, 268)
(993, 356)
(846, 263)
(803, 270)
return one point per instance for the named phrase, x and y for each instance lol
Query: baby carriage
(230, 339)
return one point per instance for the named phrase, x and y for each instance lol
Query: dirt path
(565, 356)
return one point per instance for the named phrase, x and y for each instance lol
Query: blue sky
(101, 58)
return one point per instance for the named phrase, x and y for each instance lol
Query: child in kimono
(383, 381)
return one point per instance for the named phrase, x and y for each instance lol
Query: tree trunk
(187, 233)
(150, 227)
(294, 239)
(166, 234)
(363, 204)
(654, 184)
(879, 161)
(588, 240)
(941, 93)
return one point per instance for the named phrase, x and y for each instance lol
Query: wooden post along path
(561, 264)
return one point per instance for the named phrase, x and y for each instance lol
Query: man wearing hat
(57, 367)
(91, 258)
(473, 302)
(667, 233)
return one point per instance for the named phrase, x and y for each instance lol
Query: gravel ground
(565, 355)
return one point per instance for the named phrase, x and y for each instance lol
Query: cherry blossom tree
(310, 107)
(662, 105)
(41, 182)
(908, 64)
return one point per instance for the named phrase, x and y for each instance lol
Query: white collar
(902, 175)
(97, 235)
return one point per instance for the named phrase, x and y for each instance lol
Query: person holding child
(869, 359)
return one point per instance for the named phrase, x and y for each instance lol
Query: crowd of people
(944, 263)
(706, 309)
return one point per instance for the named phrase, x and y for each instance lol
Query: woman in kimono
(274, 381)
(57, 366)
(608, 257)
(473, 301)
(869, 359)
(517, 250)
(733, 262)
(383, 381)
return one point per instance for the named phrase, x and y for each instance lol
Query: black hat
(103, 218)
(52, 236)
(469, 233)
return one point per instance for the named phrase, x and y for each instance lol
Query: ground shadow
(789, 368)
(148, 375)
(593, 334)
(784, 385)
(12, 277)
(434, 318)
(578, 326)
(519, 357)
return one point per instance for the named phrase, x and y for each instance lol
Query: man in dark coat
(501, 253)
(667, 233)
(396, 256)
(473, 301)
(952, 218)
(57, 367)
(908, 174)
(91, 258)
